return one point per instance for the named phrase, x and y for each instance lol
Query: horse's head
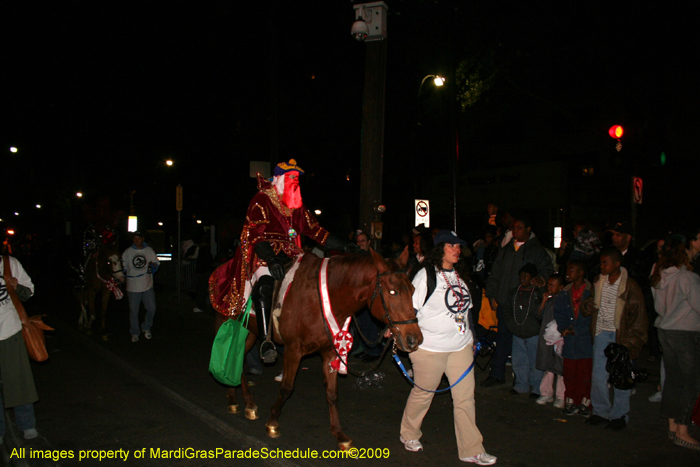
(109, 254)
(392, 301)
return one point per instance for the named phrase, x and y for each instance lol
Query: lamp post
(370, 27)
(438, 80)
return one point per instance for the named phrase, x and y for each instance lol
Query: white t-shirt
(10, 323)
(136, 262)
(443, 319)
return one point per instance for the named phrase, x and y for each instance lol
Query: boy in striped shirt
(617, 315)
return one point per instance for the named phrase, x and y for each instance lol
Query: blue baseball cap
(448, 236)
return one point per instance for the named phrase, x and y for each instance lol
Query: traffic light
(616, 132)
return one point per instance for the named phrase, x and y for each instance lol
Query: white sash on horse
(342, 339)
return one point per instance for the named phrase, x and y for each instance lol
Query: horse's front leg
(292, 357)
(91, 295)
(103, 316)
(251, 410)
(80, 297)
(331, 380)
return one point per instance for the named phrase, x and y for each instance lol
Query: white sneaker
(481, 459)
(134, 338)
(147, 334)
(656, 397)
(542, 400)
(197, 310)
(412, 444)
(559, 404)
(279, 377)
(30, 433)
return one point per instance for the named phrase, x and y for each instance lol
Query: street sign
(422, 212)
(637, 186)
(178, 198)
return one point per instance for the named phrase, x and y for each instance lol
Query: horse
(354, 282)
(103, 273)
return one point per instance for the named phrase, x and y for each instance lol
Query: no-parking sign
(422, 212)
(637, 189)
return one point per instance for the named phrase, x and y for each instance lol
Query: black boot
(262, 297)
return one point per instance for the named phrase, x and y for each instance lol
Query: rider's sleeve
(309, 226)
(258, 218)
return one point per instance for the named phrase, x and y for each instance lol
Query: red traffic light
(616, 131)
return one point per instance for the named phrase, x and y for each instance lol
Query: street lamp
(375, 16)
(437, 80)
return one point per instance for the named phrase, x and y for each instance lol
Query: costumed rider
(271, 237)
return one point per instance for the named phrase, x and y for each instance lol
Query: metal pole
(372, 135)
(179, 257)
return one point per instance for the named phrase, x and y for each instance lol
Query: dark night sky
(98, 94)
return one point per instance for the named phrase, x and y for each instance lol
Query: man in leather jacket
(618, 315)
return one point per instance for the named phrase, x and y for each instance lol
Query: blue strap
(405, 373)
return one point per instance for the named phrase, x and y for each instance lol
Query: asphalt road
(118, 397)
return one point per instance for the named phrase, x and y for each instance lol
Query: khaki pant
(428, 368)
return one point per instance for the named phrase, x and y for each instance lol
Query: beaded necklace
(527, 312)
(459, 297)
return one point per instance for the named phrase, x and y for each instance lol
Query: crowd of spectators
(556, 316)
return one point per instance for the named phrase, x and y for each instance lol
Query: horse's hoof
(251, 414)
(345, 445)
(272, 431)
(233, 408)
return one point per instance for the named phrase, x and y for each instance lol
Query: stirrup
(268, 352)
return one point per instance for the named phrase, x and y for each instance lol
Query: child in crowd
(618, 315)
(578, 345)
(520, 317)
(547, 359)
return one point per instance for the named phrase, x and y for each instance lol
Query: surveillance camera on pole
(370, 22)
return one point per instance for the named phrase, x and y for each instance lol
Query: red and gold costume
(267, 220)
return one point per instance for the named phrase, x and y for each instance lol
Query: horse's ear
(402, 260)
(379, 261)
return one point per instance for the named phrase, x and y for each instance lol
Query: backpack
(431, 278)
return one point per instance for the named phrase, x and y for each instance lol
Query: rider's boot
(263, 302)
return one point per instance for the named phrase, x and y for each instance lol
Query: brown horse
(353, 282)
(103, 269)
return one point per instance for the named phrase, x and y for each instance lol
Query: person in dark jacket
(520, 315)
(522, 249)
(578, 344)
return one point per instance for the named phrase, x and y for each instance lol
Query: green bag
(228, 351)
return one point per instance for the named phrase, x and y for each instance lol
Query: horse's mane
(362, 267)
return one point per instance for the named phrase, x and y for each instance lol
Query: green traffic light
(663, 158)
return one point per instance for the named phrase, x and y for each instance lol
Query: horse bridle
(378, 292)
(97, 268)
